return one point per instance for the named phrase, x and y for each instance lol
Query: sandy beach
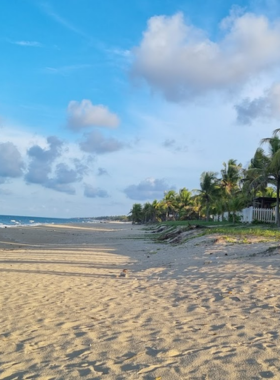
(206, 309)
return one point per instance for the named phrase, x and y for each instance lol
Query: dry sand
(203, 310)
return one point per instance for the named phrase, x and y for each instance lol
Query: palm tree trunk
(277, 202)
(207, 211)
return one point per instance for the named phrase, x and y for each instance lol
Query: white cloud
(122, 53)
(29, 43)
(44, 168)
(84, 114)
(95, 142)
(26, 43)
(179, 60)
(41, 160)
(11, 163)
(95, 192)
(174, 146)
(47, 8)
(64, 70)
(150, 188)
(263, 107)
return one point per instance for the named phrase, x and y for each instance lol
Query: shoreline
(200, 310)
(61, 225)
(7, 221)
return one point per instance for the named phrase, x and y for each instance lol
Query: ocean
(14, 220)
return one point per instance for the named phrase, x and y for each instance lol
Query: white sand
(185, 312)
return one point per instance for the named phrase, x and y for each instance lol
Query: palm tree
(272, 168)
(147, 212)
(269, 192)
(231, 177)
(170, 202)
(236, 203)
(157, 211)
(218, 207)
(208, 190)
(184, 203)
(197, 206)
(255, 177)
(162, 210)
(136, 213)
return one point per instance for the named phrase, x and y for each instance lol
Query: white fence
(264, 215)
(249, 214)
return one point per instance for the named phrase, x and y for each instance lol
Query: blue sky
(106, 103)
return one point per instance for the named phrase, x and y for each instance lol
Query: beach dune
(201, 310)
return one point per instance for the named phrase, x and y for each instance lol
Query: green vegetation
(177, 223)
(265, 233)
(114, 218)
(179, 232)
(233, 189)
(260, 230)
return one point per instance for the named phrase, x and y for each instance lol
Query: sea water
(14, 220)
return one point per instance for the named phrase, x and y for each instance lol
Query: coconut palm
(269, 192)
(218, 207)
(158, 212)
(197, 206)
(147, 212)
(136, 213)
(272, 168)
(255, 177)
(230, 180)
(184, 203)
(170, 203)
(236, 203)
(231, 175)
(209, 189)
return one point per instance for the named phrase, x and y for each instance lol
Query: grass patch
(246, 232)
(225, 228)
(238, 233)
(178, 223)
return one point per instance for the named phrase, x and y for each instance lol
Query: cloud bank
(95, 192)
(149, 189)
(11, 163)
(45, 171)
(263, 107)
(95, 142)
(41, 160)
(181, 62)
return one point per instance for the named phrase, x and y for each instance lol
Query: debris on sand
(178, 234)
(123, 273)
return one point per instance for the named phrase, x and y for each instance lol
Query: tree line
(228, 191)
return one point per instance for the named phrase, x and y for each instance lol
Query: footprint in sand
(170, 353)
